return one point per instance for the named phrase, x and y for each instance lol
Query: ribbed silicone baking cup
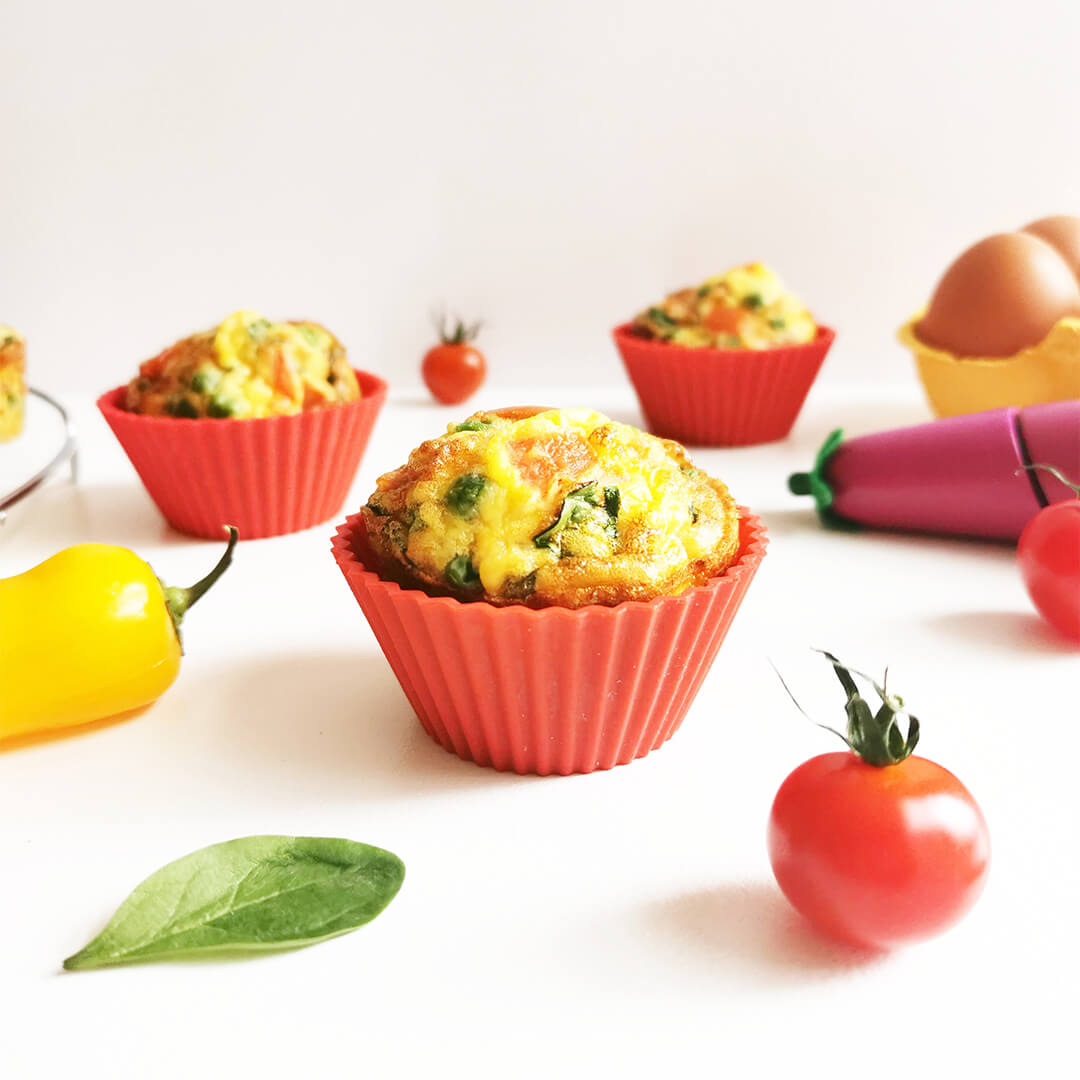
(549, 690)
(721, 397)
(1049, 371)
(266, 476)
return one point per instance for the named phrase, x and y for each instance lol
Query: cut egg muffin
(248, 367)
(551, 507)
(12, 382)
(747, 307)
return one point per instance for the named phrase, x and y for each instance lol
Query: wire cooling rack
(67, 456)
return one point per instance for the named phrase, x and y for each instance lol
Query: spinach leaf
(753, 301)
(461, 572)
(181, 407)
(472, 425)
(520, 588)
(661, 318)
(205, 380)
(259, 330)
(255, 893)
(612, 502)
(576, 507)
(463, 493)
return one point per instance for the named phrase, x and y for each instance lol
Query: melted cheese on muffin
(745, 308)
(246, 367)
(554, 506)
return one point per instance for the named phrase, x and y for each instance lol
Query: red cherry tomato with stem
(875, 847)
(454, 370)
(1049, 557)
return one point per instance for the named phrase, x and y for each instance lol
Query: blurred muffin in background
(301, 420)
(728, 363)
(745, 308)
(12, 382)
(246, 368)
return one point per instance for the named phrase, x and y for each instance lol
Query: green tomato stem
(1057, 474)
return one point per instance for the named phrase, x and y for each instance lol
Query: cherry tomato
(876, 847)
(878, 856)
(454, 370)
(1049, 558)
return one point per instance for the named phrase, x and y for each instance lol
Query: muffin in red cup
(550, 587)
(254, 423)
(728, 363)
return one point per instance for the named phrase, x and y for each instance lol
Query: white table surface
(623, 922)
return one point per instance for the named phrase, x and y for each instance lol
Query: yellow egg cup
(1048, 371)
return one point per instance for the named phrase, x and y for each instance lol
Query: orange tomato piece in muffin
(248, 367)
(747, 307)
(551, 507)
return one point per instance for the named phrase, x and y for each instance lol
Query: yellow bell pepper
(88, 634)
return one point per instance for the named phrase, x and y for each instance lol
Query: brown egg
(1061, 232)
(1000, 296)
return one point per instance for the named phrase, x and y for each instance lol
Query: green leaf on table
(253, 894)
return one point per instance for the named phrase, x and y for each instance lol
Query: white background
(622, 924)
(549, 167)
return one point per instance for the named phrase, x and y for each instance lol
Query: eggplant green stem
(178, 600)
(816, 483)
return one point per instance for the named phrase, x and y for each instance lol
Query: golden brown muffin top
(548, 507)
(246, 367)
(745, 308)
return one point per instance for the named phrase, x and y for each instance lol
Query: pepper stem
(178, 600)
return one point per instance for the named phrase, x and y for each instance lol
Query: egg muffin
(12, 382)
(248, 367)
(551, 507)
(745, 308)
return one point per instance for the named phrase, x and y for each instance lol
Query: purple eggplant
(961, 476)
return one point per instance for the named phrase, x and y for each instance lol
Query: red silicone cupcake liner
(267, 477)
(721, 397)
(552, 690)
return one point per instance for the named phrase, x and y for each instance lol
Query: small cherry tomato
(453, 370)
(876, 847)
(1049, 556)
